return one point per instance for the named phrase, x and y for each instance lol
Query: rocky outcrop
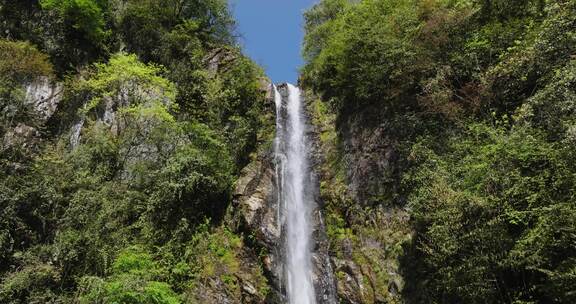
(257, 215)
(22, 136)
(244, 286)
(44, 96)
(255, 209)
(130, 93)
(219, 59)
(367, 260)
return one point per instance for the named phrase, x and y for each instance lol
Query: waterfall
(279, 161)
(294, 197)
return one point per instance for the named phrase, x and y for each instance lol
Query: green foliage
(151, 28)
(84, 16)
(194, 183)
(21, 61)
(320, 25)
(145, 170)
(552, 108)
(533, 61)
(30, 283)
(367, 54)
(477, 208)
(133, 260)
(385, 51)
(125, 77)
(132, 281)
(159, 137)
(476, 101)
(217, 256)
(72, 32)
(79, 32)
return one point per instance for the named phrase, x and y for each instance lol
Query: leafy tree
(84, 16)
(145, 23)
(370, 55)
(319, 25)
(132, 281)
(480, 205)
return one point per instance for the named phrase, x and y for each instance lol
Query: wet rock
(253, 202)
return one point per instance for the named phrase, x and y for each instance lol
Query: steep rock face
(254, 194)
(357, 163)
(255, 199)
(256, 214)
(254, 208)
(370, 154)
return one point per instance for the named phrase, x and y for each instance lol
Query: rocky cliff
(366, 228)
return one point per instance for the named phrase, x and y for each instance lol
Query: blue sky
(271, 34)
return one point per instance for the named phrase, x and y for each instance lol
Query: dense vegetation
(118, 196)
(122, 194)
(479, 102)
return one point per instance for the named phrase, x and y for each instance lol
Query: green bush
(132, 281)
(21, 61)
(85, 16)
(477, 208)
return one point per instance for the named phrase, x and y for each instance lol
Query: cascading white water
(294, 198)
(280, 160)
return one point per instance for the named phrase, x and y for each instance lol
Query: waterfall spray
(295, 199)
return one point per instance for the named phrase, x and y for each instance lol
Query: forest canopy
(102, 196)
(477, 100)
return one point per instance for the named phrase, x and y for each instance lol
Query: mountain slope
(448, 129)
